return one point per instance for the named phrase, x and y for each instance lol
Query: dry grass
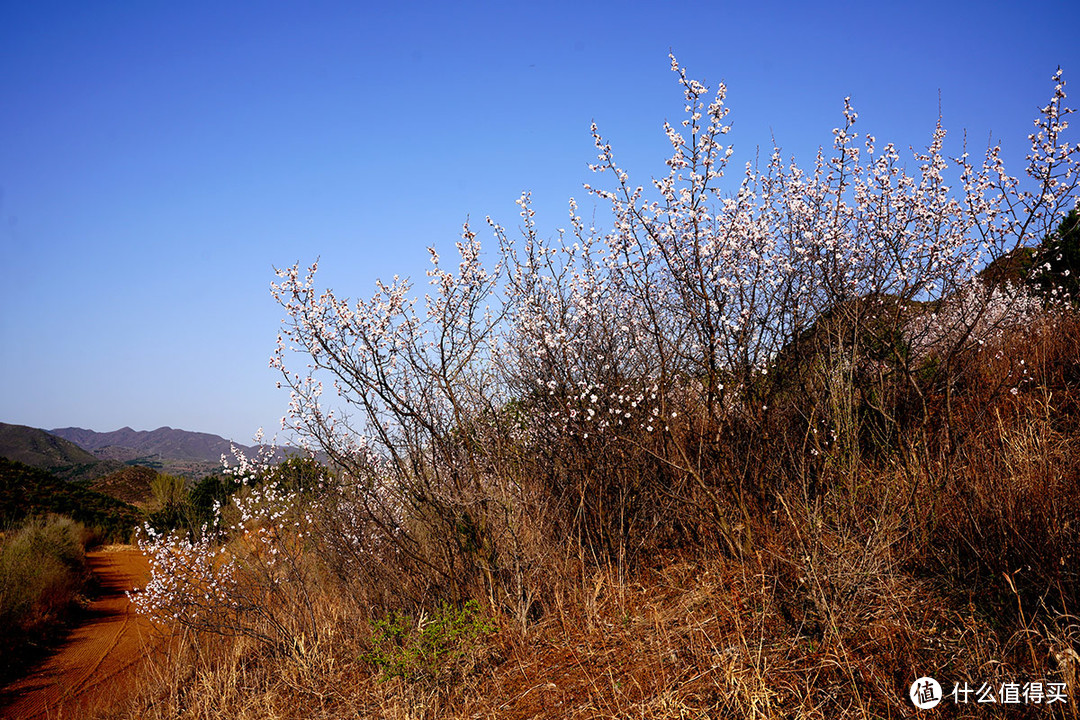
(865, 572)
(701, 637)
(42, 575)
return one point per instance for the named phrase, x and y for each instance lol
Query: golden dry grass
(961, 563)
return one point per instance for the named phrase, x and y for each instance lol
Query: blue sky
(157, 160)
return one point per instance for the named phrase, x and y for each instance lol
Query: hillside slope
(25, 490)
(55, 455)
(130, 484)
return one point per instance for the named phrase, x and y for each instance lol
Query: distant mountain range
(79, 454)
(126, 444)
(99, 478)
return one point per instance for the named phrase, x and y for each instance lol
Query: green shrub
(170, 506)
(429, 648)
(211, 490)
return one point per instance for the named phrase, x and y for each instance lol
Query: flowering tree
(667, 328)
(603, 385)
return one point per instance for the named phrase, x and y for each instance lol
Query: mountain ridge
(151, 447)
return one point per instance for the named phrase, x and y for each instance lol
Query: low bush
(42, 574)
(427, 647)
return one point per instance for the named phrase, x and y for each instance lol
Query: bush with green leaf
(210, 491)
(444, 643)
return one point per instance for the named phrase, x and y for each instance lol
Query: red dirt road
(90, 668)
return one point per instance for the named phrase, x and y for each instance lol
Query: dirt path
(90, 666)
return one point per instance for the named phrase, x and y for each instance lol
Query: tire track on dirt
(92, 665)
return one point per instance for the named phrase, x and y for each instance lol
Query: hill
(55, 455)
(130, 484)
(26, 490)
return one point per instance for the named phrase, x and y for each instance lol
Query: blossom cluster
(976, 318)
(191, 580)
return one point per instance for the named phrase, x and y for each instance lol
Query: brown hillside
(131, 484)
(48, 452)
